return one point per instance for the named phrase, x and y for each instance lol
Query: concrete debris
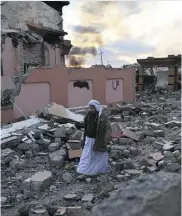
(141, 144)
(67, 177)
(134, 200)
(70, 196)
(37, 183)
(59, 111)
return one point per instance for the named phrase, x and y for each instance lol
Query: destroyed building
(32, 36)
(33, 65)
(150, 75)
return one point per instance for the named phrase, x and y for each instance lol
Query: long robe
(92, 162)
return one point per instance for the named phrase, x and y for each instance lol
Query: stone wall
(154, 195)
(34, 54)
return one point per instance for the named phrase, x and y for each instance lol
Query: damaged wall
(59, 76)
(114, 90)
(79, 96)
(10, 58)
(31, 98)
(17, 13)
(162, 79)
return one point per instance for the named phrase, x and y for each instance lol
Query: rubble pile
(39, 161)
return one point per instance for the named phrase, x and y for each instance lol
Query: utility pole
(101, 57)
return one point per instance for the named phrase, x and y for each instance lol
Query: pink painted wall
(79, 96)
(114, 95)
(45, 85)
(10, 58)
(32, 97)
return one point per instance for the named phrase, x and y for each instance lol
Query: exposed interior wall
(33, 11)
(114, 90)
(34, 54)
(36, 94)
(162, 79)
(79, 95)
(32, 97)
(10, 58)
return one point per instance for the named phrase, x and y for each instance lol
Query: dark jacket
(103, 133)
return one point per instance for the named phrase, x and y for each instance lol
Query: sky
(124, 30)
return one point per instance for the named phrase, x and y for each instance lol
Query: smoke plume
(100, 24)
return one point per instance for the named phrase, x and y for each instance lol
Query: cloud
(130, 47)
(127, 30)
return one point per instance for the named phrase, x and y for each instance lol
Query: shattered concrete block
(168, 146)
(172, 124)
(126, 153)
(3, 200)
(74, 144)
(18, 164)
(158, 145)
(57, 158)
(88, 198)
(72, 196)
(37, 183)
(61, 211)
(133, 151)
(148, 196)
(151, 169)
(10, 142)
(67, 177)
(77, 135)
(39, 210)
(148, 133)
(76, 210)
(157, 156)
(60, 132)
(75, 153)
(133, 172)
(6, 152)
(28, 147)
(159, 133)
(131, 135)
(154, 126)
(53, 147)
(44, 143)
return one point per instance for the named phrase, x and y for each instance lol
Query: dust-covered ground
(155, 144)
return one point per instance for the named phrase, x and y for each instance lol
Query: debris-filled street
(39, 156)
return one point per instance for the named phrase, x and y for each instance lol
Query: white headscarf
(97, 105)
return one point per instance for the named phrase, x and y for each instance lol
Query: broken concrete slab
(67, 177)
(172, 124)
(18, 164)
(157, 156)
(88, 198)
(75, 153)
(37, 183)
(158, 145)
(10, 142)
(7, 131)
(162, 188)
(77, 135)
(57, 158)
(53, 147)
(61, 112)
(74, 144)
(60, 132)
(38, 210)
(131, 135)
(159, 133)
(72, 196)
(44, 143)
